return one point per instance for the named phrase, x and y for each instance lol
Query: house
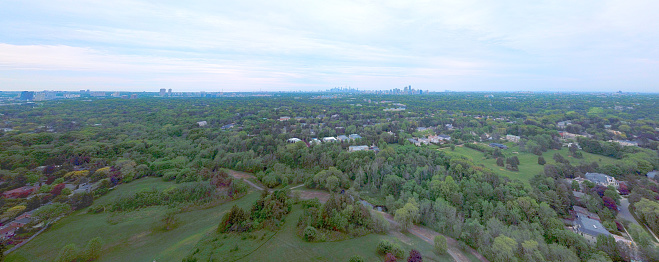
(21, 222)
(284, 118)
(228, 126)
(625, 142)
(357, 148)
(512, 138)
(563, 124)
(421, 129)
(449, 126)
(424, 141)
(414, 141)
(202, 123)
(652, 174)
(589, 229)
(7, 231)
(355, 136)
(294, 140)
(602, 179)
(329, 139)
(342, 138)
(315, 141)
(20, 192)
(496, 145)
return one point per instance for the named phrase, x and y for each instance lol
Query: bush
(356, 258)
(68, 253)
(385, 247)
(310, 233)
(380, 224)
(440, 244)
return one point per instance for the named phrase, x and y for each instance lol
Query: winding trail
(428, 235)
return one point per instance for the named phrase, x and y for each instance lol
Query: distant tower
(170, 92)
(27, 95)
(162, 91)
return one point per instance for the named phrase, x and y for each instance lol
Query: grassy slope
(129, 236)
(528, 162)
(286, 246)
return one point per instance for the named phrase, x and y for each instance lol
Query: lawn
(528, 162)
(129, 236)
(286, 246)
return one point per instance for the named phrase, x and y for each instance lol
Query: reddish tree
(600, 190)
(610, 203)
(415, 256)
(623, 189)
(57, 189)
(389, 258)
(50, 180)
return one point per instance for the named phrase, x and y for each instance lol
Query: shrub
(356, 258)
(385, 247)
(68, 253)
(440, 244)
(310, 233)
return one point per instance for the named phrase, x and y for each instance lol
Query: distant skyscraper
(163, 91)
(170, 92)
(27, 96)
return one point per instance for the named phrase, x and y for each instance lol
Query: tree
(440, 244)
(500, 161)
(607, 244)
(610, 203)
(408, 214)
(356, 258)
(68, 253)
(504, 249)
(541, 161)
(390, 258)
(92, 249)
(52, 211)
(415, 256)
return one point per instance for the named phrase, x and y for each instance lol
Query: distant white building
(602, 179)
(357, 148)
(202, 123)
(342, 138)
(294, 140)
(329, 139)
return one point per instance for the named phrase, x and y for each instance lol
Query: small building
(496, 145)
(202, 123)
(354, 136)
(227, 126)
(652, 174)
(589, 229)
(512, 138)
(563, 124)
(602, 179)
(342, 138)
(414, 141)
(424, 141)
(329, 139)
(315, 141)
(294, 140)
(357, 148)
(20, 192)
(284, 118)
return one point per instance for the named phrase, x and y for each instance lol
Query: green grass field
(528, 162)
(129, 236)
(287, 246)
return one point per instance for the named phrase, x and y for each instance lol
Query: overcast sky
(246, 45)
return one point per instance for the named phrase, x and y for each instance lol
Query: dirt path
(245, 177)
(428, 235)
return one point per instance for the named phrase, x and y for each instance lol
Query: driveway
(624, 211)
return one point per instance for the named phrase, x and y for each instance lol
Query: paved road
(624, 211)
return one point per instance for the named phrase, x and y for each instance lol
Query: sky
(251, 45)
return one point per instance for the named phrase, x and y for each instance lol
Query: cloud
(251, 45)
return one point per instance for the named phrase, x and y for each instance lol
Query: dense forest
(61, 146)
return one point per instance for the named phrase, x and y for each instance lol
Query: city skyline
(251, 46)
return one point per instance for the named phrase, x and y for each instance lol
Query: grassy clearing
(528, 162)
(129, 236)
(287, 246)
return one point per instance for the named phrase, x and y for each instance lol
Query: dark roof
(597, 177)
(591, 226)
(24, 220)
